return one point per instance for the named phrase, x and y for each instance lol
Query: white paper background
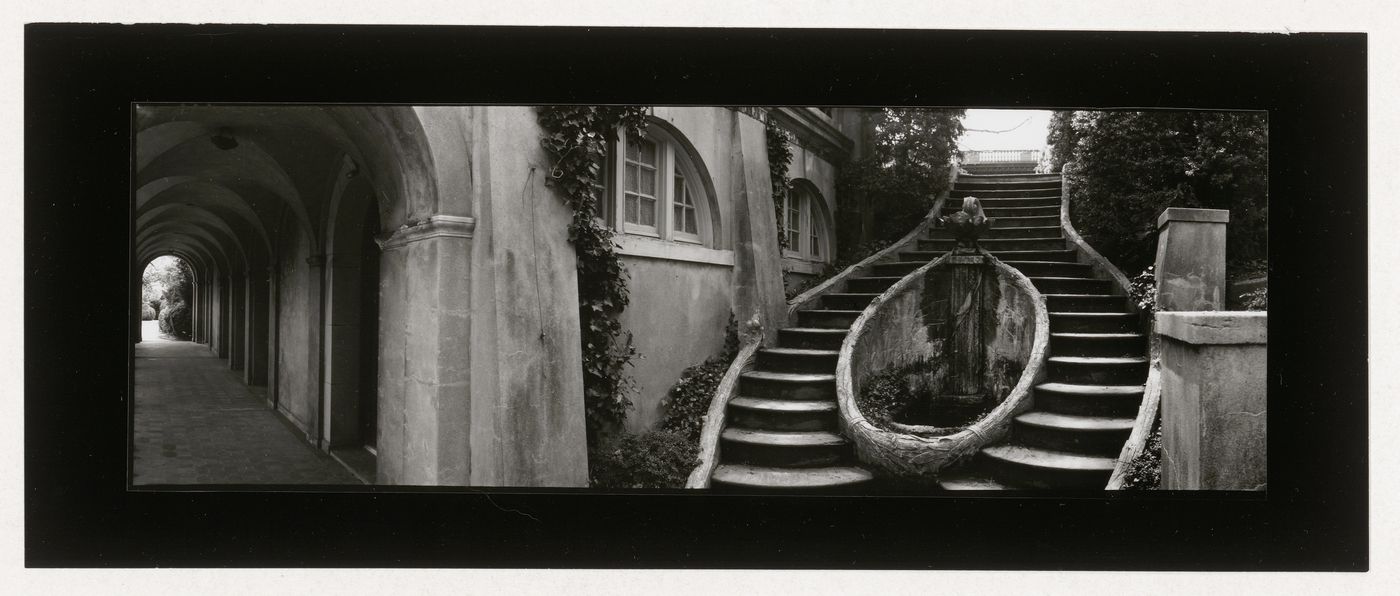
(1374, 17)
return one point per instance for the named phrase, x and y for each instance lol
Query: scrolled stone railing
(894, 331)
(714, 417)
(1152, 392)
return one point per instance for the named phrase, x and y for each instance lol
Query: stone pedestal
(1191, 259)
(1214, 410)
(967, 274)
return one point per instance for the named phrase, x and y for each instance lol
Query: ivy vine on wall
(779, 158)
(577, 138)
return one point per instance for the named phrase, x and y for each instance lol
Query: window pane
(632, 151)
(691, 225)
(648, 214)
(678, 217)
(648, 153)
(648, 182)
(632, 209)
(631, 183)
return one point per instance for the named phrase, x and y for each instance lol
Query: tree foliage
(1129, 166)
(167, 288)
(901, 177)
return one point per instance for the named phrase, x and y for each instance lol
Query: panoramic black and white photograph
(793, 299)
(480, 304)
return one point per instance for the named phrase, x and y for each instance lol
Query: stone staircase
(782, 431)
(1084, 411)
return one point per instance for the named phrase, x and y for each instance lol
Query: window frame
(672, 158)
(811, 225)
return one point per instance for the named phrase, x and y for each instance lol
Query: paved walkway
(197, 423)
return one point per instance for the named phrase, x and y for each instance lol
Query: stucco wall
(678, 314)
(296, 392)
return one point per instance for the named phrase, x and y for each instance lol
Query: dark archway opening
(369, 329)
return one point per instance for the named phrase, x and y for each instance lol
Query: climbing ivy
(577, 138)
(779, 158)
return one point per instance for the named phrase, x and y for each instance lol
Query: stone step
(871, 284)
(795, 386)
(1097, 370)
(848, 300)
(812, 338)
(1071, 285)
(1004, 202)
(1088, 435)
(1106, 303)
(1000, 212)
(827, 318)
(781, 414)
(1042, 468)
(1051, 268)
(797, 360)
(898, 269)
(1000, 233)
(1088, 400)
(1066, 255)
(972, 480)
(1033, 221)
(1097, 344)
(1000, 169)
(801, 449)
(957, 194)
(1093, 322)
(1026, 177)
(741, 476)
(976, 185)
(994, 245)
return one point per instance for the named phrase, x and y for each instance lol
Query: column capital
(436, 226)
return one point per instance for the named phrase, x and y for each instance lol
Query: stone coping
(1196, 215)
(1215, 327)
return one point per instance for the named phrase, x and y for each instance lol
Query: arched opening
(167, 299)
(351, 412)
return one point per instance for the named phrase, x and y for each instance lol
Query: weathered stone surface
(900, 327)
(1214, 400)
(1190, 264)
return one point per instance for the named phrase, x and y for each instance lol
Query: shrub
(1129, 166)
(148, 313)
(175, 320)
(1143, 290)
(886, 396)
(657, 459)
(1256, 299)
(907, 169)
(1145, 471)
(685, 405)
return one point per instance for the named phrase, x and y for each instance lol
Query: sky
(1022, 129)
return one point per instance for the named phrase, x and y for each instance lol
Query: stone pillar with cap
(1190, 265)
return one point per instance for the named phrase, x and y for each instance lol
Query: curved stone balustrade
(902, 327)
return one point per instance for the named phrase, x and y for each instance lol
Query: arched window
(805, 224)
(657, 191)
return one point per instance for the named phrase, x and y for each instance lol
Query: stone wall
(1214, 400)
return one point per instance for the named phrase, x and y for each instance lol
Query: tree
(1130, 166)
(906, 169)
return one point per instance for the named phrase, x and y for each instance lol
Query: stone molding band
(437, 226)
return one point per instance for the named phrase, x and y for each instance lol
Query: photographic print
(799, 299)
